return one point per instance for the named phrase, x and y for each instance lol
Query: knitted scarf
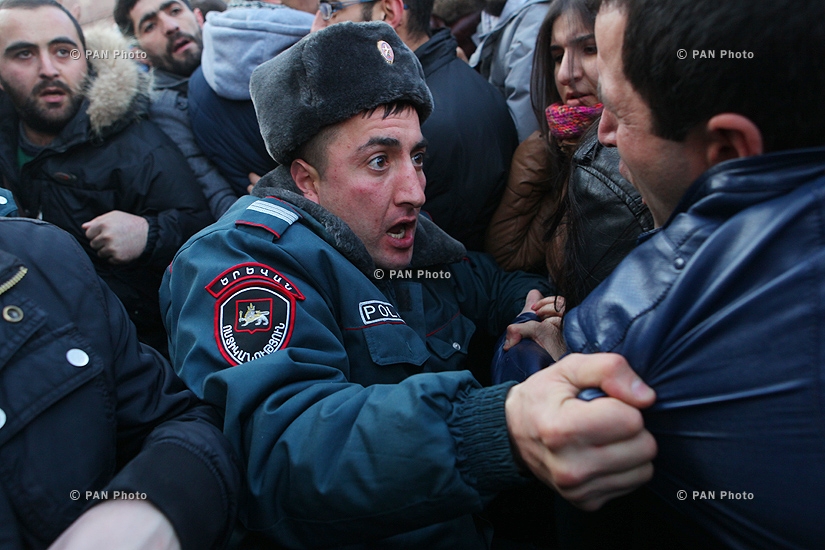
(568, 122)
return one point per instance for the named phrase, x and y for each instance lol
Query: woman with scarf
(566, 210)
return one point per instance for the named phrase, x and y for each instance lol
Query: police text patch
(375, 311)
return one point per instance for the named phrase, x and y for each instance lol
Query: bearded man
(76, 151)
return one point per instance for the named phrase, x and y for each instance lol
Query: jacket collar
(437, 51)
(737, 184)
(432, 245)
(164, 80)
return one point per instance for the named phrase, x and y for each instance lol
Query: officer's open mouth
(399, 230)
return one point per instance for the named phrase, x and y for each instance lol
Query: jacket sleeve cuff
(151, 239)
(484, 451)
(184, 488)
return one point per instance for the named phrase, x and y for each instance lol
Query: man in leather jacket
(721, 309)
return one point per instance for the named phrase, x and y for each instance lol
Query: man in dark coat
(470, 134)
(76, 151)
(100, 443)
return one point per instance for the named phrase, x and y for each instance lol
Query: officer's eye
(418, 158)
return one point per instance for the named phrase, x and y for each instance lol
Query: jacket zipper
(14, 280)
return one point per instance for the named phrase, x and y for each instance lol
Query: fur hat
(330, 76)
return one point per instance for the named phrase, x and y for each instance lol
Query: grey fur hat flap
(330, 76)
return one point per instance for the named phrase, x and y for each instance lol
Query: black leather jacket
(611, 212)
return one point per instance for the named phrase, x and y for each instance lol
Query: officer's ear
(306, 177)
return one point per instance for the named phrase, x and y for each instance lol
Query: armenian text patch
(254, 311)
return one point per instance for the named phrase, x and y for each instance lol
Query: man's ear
(306, 178)
(732, 136)
(390, 12)
(199, 17)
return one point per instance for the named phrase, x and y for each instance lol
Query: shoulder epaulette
(270, 214)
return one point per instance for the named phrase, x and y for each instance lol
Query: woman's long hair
(560, 228)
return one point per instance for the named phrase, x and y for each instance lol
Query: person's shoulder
(249, 220)
(41, 243)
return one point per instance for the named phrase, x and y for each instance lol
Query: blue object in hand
(520, 361)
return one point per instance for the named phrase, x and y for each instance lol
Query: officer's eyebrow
(390, 142)
(383, 141)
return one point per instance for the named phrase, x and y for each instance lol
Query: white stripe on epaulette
(274, 210)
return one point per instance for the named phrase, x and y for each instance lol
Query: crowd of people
(301, 274)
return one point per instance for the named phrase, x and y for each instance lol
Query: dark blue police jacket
(343, 386)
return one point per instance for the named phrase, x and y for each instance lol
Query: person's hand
(546, 308)
(117, 236)
(253, 179)
(588, 451)
(546, 333)
(119, 525)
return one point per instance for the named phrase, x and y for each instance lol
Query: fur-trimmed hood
(118, 90)
(432, 245)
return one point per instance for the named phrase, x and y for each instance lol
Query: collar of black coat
(432, 245)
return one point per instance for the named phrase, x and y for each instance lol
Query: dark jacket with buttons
(343, 387)
(85, 407)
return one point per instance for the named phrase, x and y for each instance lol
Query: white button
(4, 200)
(456, 345)
(2, 418)
(77, 357)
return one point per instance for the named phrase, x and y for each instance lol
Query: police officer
(330, 322)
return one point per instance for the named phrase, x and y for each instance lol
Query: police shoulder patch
(254, 311)
(270, 214)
